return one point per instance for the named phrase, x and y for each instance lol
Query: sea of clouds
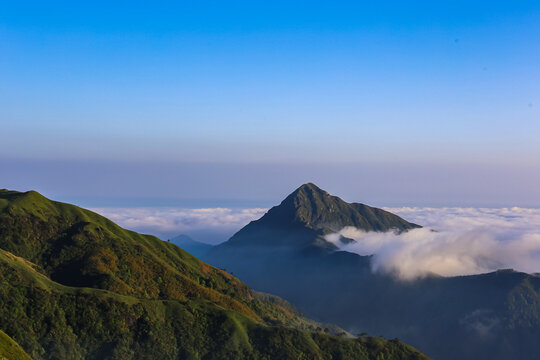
(210, 225)
(454, 241)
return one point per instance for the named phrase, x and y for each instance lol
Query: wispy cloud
(168, 222)
(465, 241)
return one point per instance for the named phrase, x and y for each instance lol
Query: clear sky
(388, 102)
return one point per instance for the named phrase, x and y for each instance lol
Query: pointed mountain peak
(310, 187)
(309, 213)
(315, 208)
(306, 195)
(310, 205)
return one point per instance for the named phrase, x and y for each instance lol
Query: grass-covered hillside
(10, 350)
(74, 285)
(77, 247)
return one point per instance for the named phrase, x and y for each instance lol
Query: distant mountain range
(74, 285)
(195, 248)
(490, 316)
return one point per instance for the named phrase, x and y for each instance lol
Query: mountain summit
(308, 214)
(313, 207)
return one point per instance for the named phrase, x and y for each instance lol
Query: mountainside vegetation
(74, 285)
(490, 316)
(10, 350)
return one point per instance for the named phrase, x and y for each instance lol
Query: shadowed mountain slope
(490, 316)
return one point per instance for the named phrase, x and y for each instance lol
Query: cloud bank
(208, 224)
(466, 241)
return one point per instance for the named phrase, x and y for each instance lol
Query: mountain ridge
(487, 316)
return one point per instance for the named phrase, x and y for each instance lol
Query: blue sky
(418, 102)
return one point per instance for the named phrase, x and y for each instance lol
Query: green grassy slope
(74, 285)
(77, 247)
(10, 350)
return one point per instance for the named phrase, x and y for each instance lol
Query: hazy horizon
(192, 185)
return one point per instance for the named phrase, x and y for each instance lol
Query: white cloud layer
(466, 241)
(169, 222)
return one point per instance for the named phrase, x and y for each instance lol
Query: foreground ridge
(75, 285)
